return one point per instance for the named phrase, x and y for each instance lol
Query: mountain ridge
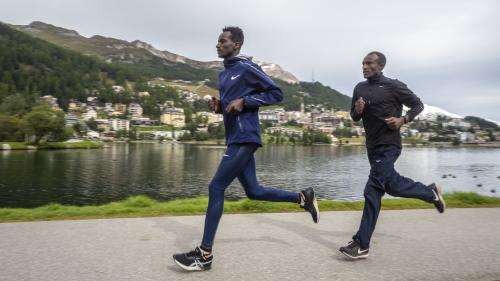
(113, 49)
(123, 66)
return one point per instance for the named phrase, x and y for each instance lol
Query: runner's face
(226, 47)
(371, 66)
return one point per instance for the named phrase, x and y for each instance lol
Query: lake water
(170, 170)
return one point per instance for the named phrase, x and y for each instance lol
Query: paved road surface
(462, 244)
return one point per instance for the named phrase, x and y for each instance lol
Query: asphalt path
(461, 244)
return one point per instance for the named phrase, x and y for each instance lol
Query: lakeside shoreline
(143, 206)
(6, 146)
(94, 144)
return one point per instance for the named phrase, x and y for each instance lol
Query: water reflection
(167, 171)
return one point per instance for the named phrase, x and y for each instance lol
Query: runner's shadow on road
(343, 258)
(325, 238)
(176, 269)
(312, 234)
(186, 235)
(268, 239)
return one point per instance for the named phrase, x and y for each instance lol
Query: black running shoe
(353, 250)
(309, 203)
(438, 198)
(194, 260)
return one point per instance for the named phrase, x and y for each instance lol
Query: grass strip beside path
(143, 206)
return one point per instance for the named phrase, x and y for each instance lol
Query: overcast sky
(447, 52)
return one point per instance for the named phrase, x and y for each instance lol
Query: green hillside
(70, 66)
(35, 68)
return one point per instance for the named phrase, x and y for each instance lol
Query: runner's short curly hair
(236, 34)
(381, 57)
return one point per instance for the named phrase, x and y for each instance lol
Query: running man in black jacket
(379, 102)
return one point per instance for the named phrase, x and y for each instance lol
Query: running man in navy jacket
(243, 88)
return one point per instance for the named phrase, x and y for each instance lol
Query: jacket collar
(232, 61)
(376, 78)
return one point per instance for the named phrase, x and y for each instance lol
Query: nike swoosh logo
(225, 155)
(360, 252)
(436, 197)
(234, 77)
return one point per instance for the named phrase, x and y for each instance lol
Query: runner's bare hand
(236, 106)
(359, 106)
(394, 122)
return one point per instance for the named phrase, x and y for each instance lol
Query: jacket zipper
(239, 123)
